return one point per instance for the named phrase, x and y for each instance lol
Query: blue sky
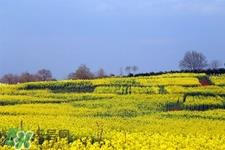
(152, 34)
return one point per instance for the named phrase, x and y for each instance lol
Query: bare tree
(83, 72)
(101, 73)
(128, 69)
(71, 76)
(134, 69)
(215, 64)
(26, 77)
(10, 79)
(193, 60)
(44, 75)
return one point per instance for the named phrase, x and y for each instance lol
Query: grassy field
(170, 111)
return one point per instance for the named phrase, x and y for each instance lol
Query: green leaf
(21, 134)
(11, 133)
(18, 145)
(9, 143)
(29, 136)
(27, 145)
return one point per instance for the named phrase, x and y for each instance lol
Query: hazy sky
(62, 34)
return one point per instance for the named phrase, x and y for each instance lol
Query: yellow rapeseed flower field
(166, 112)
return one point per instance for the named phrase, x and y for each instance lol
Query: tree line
(192, 61)
(41, 75)
(83, 72)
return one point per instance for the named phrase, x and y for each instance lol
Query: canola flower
(118, 113)
(218, 80)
